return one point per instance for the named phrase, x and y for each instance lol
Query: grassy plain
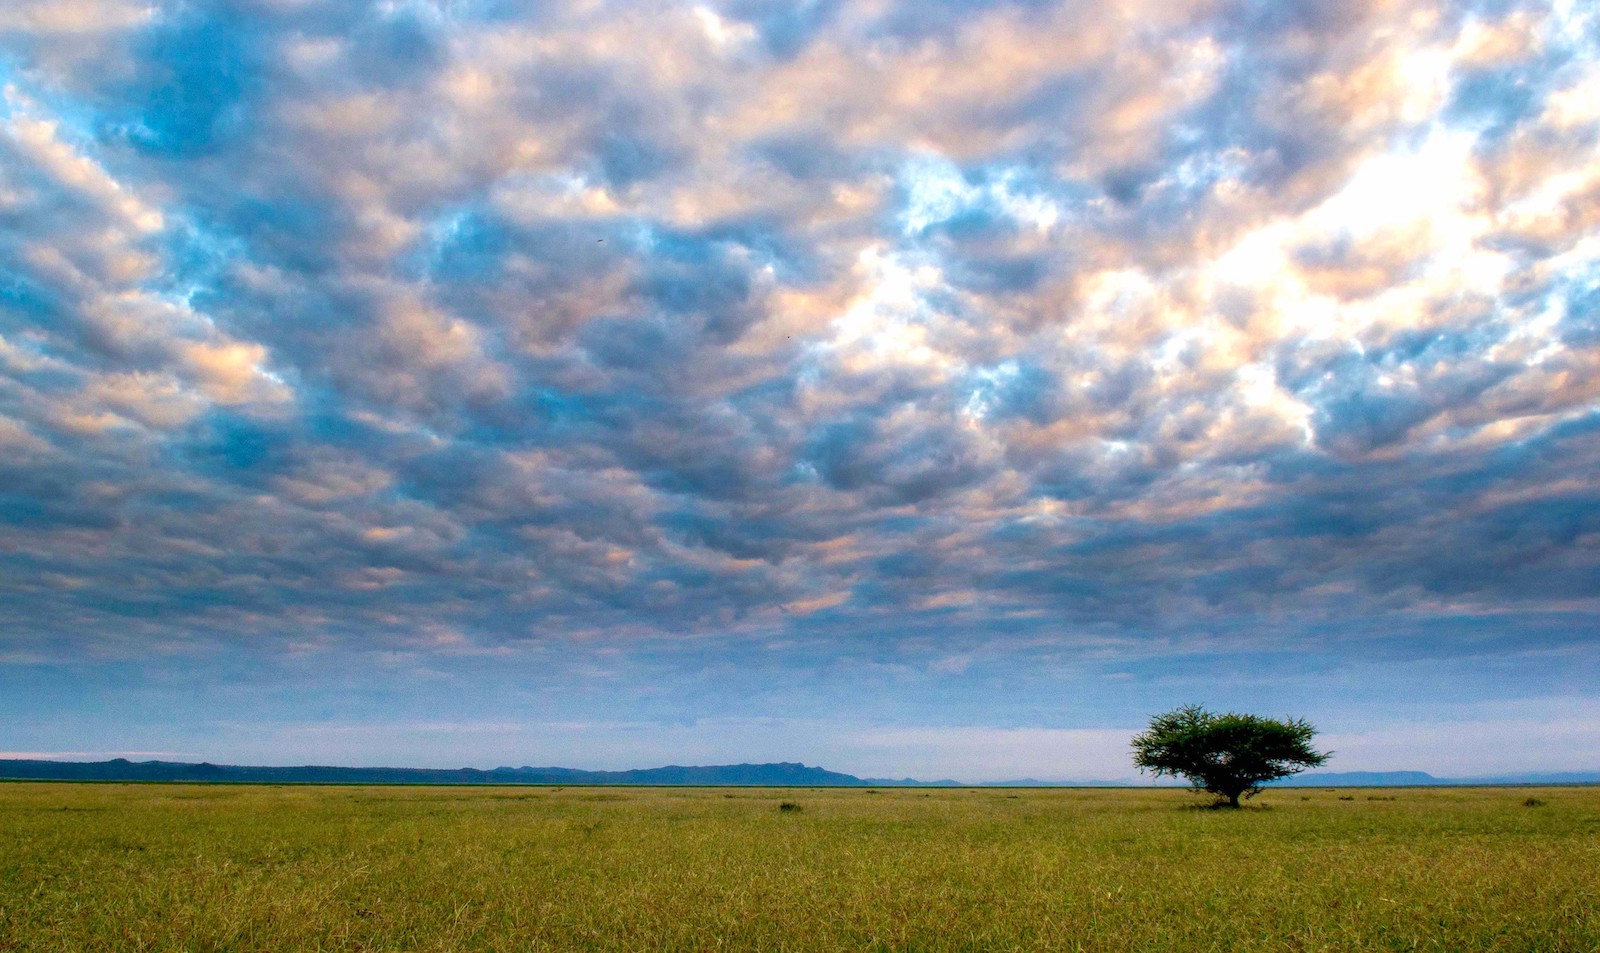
(193, 868)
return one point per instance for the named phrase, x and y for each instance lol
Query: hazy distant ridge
(1368, 779)
(120, 769)
(779, 774)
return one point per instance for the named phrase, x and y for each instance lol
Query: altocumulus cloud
(905, 348)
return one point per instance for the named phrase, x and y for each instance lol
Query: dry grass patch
(157, 867)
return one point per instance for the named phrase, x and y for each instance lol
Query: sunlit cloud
(888, 343)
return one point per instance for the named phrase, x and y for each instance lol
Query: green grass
(195, 868)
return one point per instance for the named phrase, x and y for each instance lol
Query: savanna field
(247, 868)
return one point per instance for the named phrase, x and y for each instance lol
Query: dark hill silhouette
(785, 774)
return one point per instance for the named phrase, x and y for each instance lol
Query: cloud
(836, 321)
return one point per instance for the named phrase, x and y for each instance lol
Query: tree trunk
(1233, 799)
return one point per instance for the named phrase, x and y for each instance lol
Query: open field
(158, 867)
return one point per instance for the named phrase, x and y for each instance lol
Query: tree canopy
(1229, 755)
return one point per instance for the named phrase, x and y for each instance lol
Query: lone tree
(1228, 755)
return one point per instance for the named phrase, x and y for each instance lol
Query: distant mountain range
(1372, 779)
(786, 774)
(782, 774)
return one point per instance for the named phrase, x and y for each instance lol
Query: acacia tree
(1228, 755)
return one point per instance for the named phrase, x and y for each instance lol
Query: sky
(909, 387)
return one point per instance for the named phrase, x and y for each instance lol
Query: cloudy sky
(906, 386)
